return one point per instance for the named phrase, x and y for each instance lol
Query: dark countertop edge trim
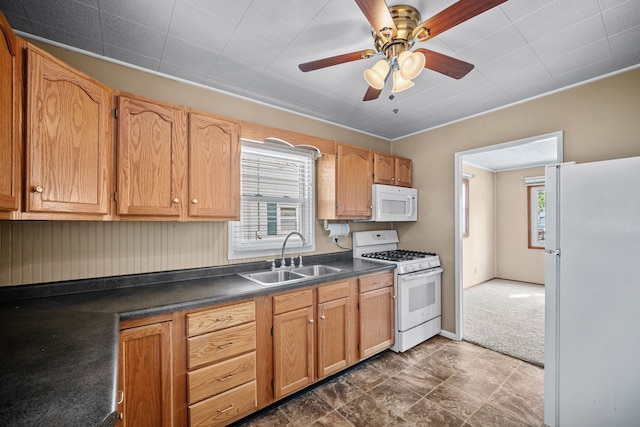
(51, 289)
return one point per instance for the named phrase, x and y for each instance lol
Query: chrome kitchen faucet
(284, 244)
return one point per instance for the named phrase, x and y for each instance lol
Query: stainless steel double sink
(278, 277)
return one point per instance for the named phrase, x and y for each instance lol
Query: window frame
(270, 245)
(465, 207)
(533, 215)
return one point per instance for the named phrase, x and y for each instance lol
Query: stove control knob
(424, 265)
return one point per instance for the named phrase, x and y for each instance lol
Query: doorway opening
(510, 158)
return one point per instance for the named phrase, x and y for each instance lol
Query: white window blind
(277, 197)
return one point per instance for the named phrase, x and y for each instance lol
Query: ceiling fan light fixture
(376, 75)
(411, 64)
(400, 84)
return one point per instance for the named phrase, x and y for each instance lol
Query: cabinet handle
(222, 411)
(121, 416)
(176, 200)
(228, 377)
(38, 189)
(225, 345)
(322, 317)
(223, 319)
(121, 399)
(194, 201)
(310, 320)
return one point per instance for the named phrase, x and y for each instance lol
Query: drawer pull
(121, 399)
(224, 319)
(220, 347)
(222, 411)
(228, 377)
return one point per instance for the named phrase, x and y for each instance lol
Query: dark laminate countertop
(59, 342)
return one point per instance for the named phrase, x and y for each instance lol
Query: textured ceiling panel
(252, 48)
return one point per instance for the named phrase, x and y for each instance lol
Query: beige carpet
(507, 317)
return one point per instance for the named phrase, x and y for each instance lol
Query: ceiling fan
(395, 30)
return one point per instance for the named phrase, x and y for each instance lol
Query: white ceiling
(251, 48)
(516, 155)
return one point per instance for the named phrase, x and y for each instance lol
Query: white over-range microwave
(394, 204)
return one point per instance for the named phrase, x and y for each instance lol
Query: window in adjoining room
(536, 203)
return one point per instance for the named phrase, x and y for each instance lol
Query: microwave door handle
(410, 206)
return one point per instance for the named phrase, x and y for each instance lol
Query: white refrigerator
(592, 268)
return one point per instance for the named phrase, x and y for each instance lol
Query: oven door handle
(419, 274)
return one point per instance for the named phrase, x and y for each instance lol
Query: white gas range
(417, 285)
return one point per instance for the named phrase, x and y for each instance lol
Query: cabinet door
(376, 321)
(353, 182)
(333, 336)
(151, 158)
(292, 351)
(68, 138)
(10, 107)
(403, 172)
(383, 169)
(145, 376)
(214, 174)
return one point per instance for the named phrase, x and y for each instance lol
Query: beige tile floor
(437, 383)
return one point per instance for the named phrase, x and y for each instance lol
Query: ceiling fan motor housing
(406, 19)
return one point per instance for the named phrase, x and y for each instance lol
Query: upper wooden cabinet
(344, 184)
(10, 115)
(151, 157)
(392, 170)
(404, 172)
(68, 138)
(214, 167)
(175, 163)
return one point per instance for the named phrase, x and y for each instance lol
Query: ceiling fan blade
(444, 64)
(335, 60)
(372, 94)
(378, 15)
(452, 16)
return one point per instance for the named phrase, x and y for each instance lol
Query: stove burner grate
(398, 255)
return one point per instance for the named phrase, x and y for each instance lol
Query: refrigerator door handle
(553, 251)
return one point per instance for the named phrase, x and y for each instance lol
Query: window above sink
(277, 197)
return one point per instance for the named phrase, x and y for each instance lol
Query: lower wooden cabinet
(145, 378)
(333, 328)
(215, 365)
(377, 311)
(224, 408)
(221, 364)
(292, 342)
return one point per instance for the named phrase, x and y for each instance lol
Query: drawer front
(333, 291)
(292, 301)
(220, 318)
(376, 281)
(224, 408)
(215, 346)
(223, 376)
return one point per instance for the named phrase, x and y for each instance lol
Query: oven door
(418, 298)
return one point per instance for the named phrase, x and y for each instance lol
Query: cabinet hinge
(115, 113)
(115, 196)
(273, 387)
(336, 206)
(272, 331)
(358, 305)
